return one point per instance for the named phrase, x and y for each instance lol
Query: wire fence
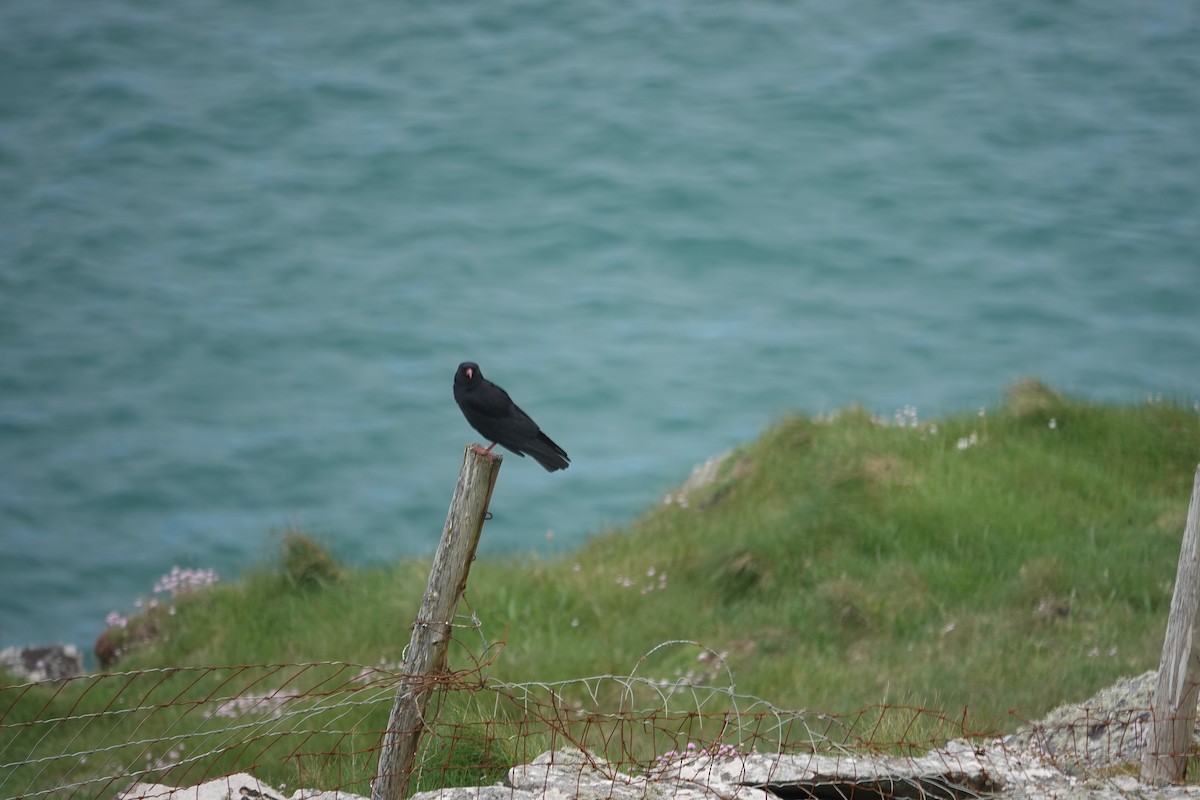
(296, 726)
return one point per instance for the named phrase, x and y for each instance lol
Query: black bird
(490, 410)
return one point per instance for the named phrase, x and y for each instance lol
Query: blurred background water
(243, 247)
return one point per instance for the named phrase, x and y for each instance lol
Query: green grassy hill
(986, 566)
(839, 563)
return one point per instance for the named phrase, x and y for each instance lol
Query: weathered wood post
(425, 657)
(1174, 707)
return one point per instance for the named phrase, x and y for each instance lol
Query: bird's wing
(493, 413)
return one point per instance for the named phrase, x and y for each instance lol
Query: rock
(35, 663)
(240, 787)
(956, 772)
(959, 771)
(1103, 731)
(496, 792)
(572, 773)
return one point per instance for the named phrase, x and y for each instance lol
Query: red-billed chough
(490, 410)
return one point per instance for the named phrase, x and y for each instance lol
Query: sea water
(243, 247)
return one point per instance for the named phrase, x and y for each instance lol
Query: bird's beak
(470, 373)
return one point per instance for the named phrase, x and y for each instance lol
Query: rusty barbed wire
(320, 724)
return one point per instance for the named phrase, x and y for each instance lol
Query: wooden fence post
(1174, 707)
(425, 657)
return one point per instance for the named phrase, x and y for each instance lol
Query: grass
(912, 581)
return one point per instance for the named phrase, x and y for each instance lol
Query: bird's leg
(480, 451)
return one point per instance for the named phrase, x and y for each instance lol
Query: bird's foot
(480, 451)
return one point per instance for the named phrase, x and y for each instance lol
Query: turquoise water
(243, 247)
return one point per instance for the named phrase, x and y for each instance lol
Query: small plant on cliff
(305, 564)
(124, 633)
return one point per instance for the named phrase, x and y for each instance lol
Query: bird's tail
(547, 453)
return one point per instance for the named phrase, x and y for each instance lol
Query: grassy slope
(837, 563)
